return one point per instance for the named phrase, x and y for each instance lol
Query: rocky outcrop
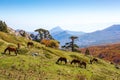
(21, 33)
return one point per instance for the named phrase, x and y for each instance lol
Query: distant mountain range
(106, 36)
(63, 35)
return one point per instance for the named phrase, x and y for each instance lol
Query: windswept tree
(72, 43)
(43, 34)
(3, 26)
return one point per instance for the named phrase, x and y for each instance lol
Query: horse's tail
(17, 50)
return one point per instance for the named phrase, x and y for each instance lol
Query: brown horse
(30, 44)
(75, 61)
(61, 59)
(93, 60)
(83, 64)
(11, 49)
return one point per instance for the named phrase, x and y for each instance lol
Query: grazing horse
(75, 61)
(93, 60)
(83, 64)
(61, 59)
(13, 49)
(30, 44)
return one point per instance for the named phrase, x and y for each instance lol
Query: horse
(83, 64)
(93, 60)
(30, 44)
(61, 59)
(75, 61)
(11, 49)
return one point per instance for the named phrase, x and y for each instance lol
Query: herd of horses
(61, 59)
(16, 49)
(75, 61)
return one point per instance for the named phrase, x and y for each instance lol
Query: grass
(43, 67)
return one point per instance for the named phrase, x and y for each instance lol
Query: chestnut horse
(93, 60)
(11, 49)
(61, 59)
(30, 44)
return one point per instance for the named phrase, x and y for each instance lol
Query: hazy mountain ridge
(63, 35)
(106, 36)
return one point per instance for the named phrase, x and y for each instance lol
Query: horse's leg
(65, 61)
(85, 66)
(16, 52)
(5, 50)
(80, 64)
(9, 52)
(71, 62)
(27, 46)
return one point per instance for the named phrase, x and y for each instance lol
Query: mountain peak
(56, 29)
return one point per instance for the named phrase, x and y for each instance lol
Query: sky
(74, 15)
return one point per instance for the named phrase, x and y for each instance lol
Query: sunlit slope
(27, 66)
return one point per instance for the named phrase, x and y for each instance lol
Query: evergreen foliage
(3, 27)
(87, 52)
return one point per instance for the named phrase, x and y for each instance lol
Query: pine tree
(72, 43)
(3, 27)
(87, 52)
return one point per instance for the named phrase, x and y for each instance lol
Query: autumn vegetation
(50, 43)
(109, 52)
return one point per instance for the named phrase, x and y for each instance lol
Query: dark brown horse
(30, 44)
(75, 61)
(61, 59)
(11, 49)
(83, 64)
(93, 60)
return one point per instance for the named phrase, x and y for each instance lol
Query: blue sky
(76, 15)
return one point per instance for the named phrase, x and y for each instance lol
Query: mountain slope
(110, 52)
(106, 36)
(63, 35)
(27, 66)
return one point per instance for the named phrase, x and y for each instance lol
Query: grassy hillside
(25, 66)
